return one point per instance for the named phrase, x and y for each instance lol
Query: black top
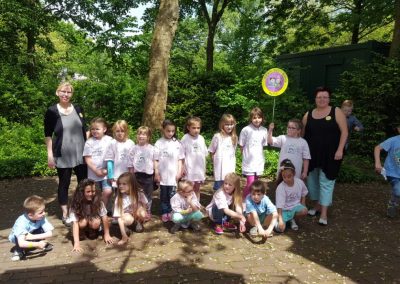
(323, 136)
(53, 125)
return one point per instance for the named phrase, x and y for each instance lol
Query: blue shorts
(288, 215)
(103, 184)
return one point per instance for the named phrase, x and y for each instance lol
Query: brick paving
(360, 245)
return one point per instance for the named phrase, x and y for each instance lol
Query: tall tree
(157, 86)
(395, 46)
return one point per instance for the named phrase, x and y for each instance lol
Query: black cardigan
(53, 125)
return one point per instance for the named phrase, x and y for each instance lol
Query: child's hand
(100, 172)
(242, 227)
(107, 239)
(41, 244)
(271, 126)
(77, 248)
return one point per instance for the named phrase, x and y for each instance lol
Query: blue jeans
(186, 218)
(395, 183)
(320, 187)
(218, 184)
(166, 193)
(219, 215)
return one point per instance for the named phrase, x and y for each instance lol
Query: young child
(31, 229)
(117, 153)
(352, 122)
(223, 149)
(391, 169)
(94, 153)
(130, 205)
(168, 166)
(87, 211)
(293, 147)
(290, 197)
(195, 150)
(141, 163)
(252, 140)
(185, 207)
(260, 211)
(219, 210)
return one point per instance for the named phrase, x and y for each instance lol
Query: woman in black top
(325, 130)
(65, 135)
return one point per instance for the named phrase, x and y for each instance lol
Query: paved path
(360, 245)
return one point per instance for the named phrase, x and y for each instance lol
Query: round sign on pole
(275, 82)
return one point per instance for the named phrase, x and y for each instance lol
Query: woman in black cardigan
(65, 136)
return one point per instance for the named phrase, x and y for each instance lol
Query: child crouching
(31, 229)
(186, 208)
(260, 211)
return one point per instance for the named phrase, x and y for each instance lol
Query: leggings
(249, 181)
(64, 180)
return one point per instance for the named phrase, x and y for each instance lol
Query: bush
(22, 152)
(357, 169)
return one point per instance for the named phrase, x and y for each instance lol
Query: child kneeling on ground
(186, 208)
(260, 211)
(31, 229)
(290, 197)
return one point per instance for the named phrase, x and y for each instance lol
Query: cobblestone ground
(360, 245)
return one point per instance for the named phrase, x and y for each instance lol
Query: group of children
(179, 167)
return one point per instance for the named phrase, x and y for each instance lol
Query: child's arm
(377, 156)
(180, 170)
(75, 235)
(281, 224)
(304, 173)
(106, 227)
(257, 222)
(92, 166)
(357, 124)
(238, 216)
(31, 237)
(268, 231)
(303, 201)
(24, 242)
(193, 206)
(157, 177)
(270, 131)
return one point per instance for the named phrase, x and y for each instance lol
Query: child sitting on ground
(290, 197)
(186, 208)
(392, 169)
(260, 211)
(31, 229)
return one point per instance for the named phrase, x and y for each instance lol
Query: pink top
(195, 150)
(141, 158)
(287, 197)
(179, 203)
(168, 152)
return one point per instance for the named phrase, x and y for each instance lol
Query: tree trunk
(356, 21)
(157, 85)
(395, 46)
(210, 48)
(31, 53)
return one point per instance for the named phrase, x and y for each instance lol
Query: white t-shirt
(102, 212)
(96, 149)
(119, 153)
(253, 140)
(287, 197)
(179, 203)
(195, 150)
(224, 159)
(293, 148)
(168, 153)
(141, 158)
(127, 206)
(221, 199)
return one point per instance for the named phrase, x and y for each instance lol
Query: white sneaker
(312, 212)
(16, 256)
(293, 225)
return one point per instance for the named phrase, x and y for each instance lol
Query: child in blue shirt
(392, 169)
(31, 229)
(260, 211)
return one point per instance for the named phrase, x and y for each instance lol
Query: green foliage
(22, 152)
(357, 169)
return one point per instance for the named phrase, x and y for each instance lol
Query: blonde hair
(123, 125)
(190, 120)
(33, 203)
(182, 185)
(347, 103)
(98, 120)
(65, 84)
(237, 192)
(225, 119)
(133, 192)
(256, 111)
(143, 129)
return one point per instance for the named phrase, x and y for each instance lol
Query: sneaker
(66, 221)
(312, 212)
(48, 247)
(253, 231)
(391, 210)
(323, 222)
(195, 226)
(139, 227)
(277, 229)
(17, 255)
(218, 230)
(165, 217)
(229, 226)
(185, 225)
(175, 228)
(293, 225)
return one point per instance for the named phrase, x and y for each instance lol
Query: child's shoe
(392, 210)
(66, 221)
(165, 217)
(229, 226)
(312, 212)
(139, 227)
(293, 225)
(253, 231)
(195, 226)
(323, 222)
(175, 228)
(218, 229)
(18, 255)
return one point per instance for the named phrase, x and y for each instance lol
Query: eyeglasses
(65, 92)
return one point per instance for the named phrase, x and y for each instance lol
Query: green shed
(323, 67)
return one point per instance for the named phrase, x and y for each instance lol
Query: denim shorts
(103, 184)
